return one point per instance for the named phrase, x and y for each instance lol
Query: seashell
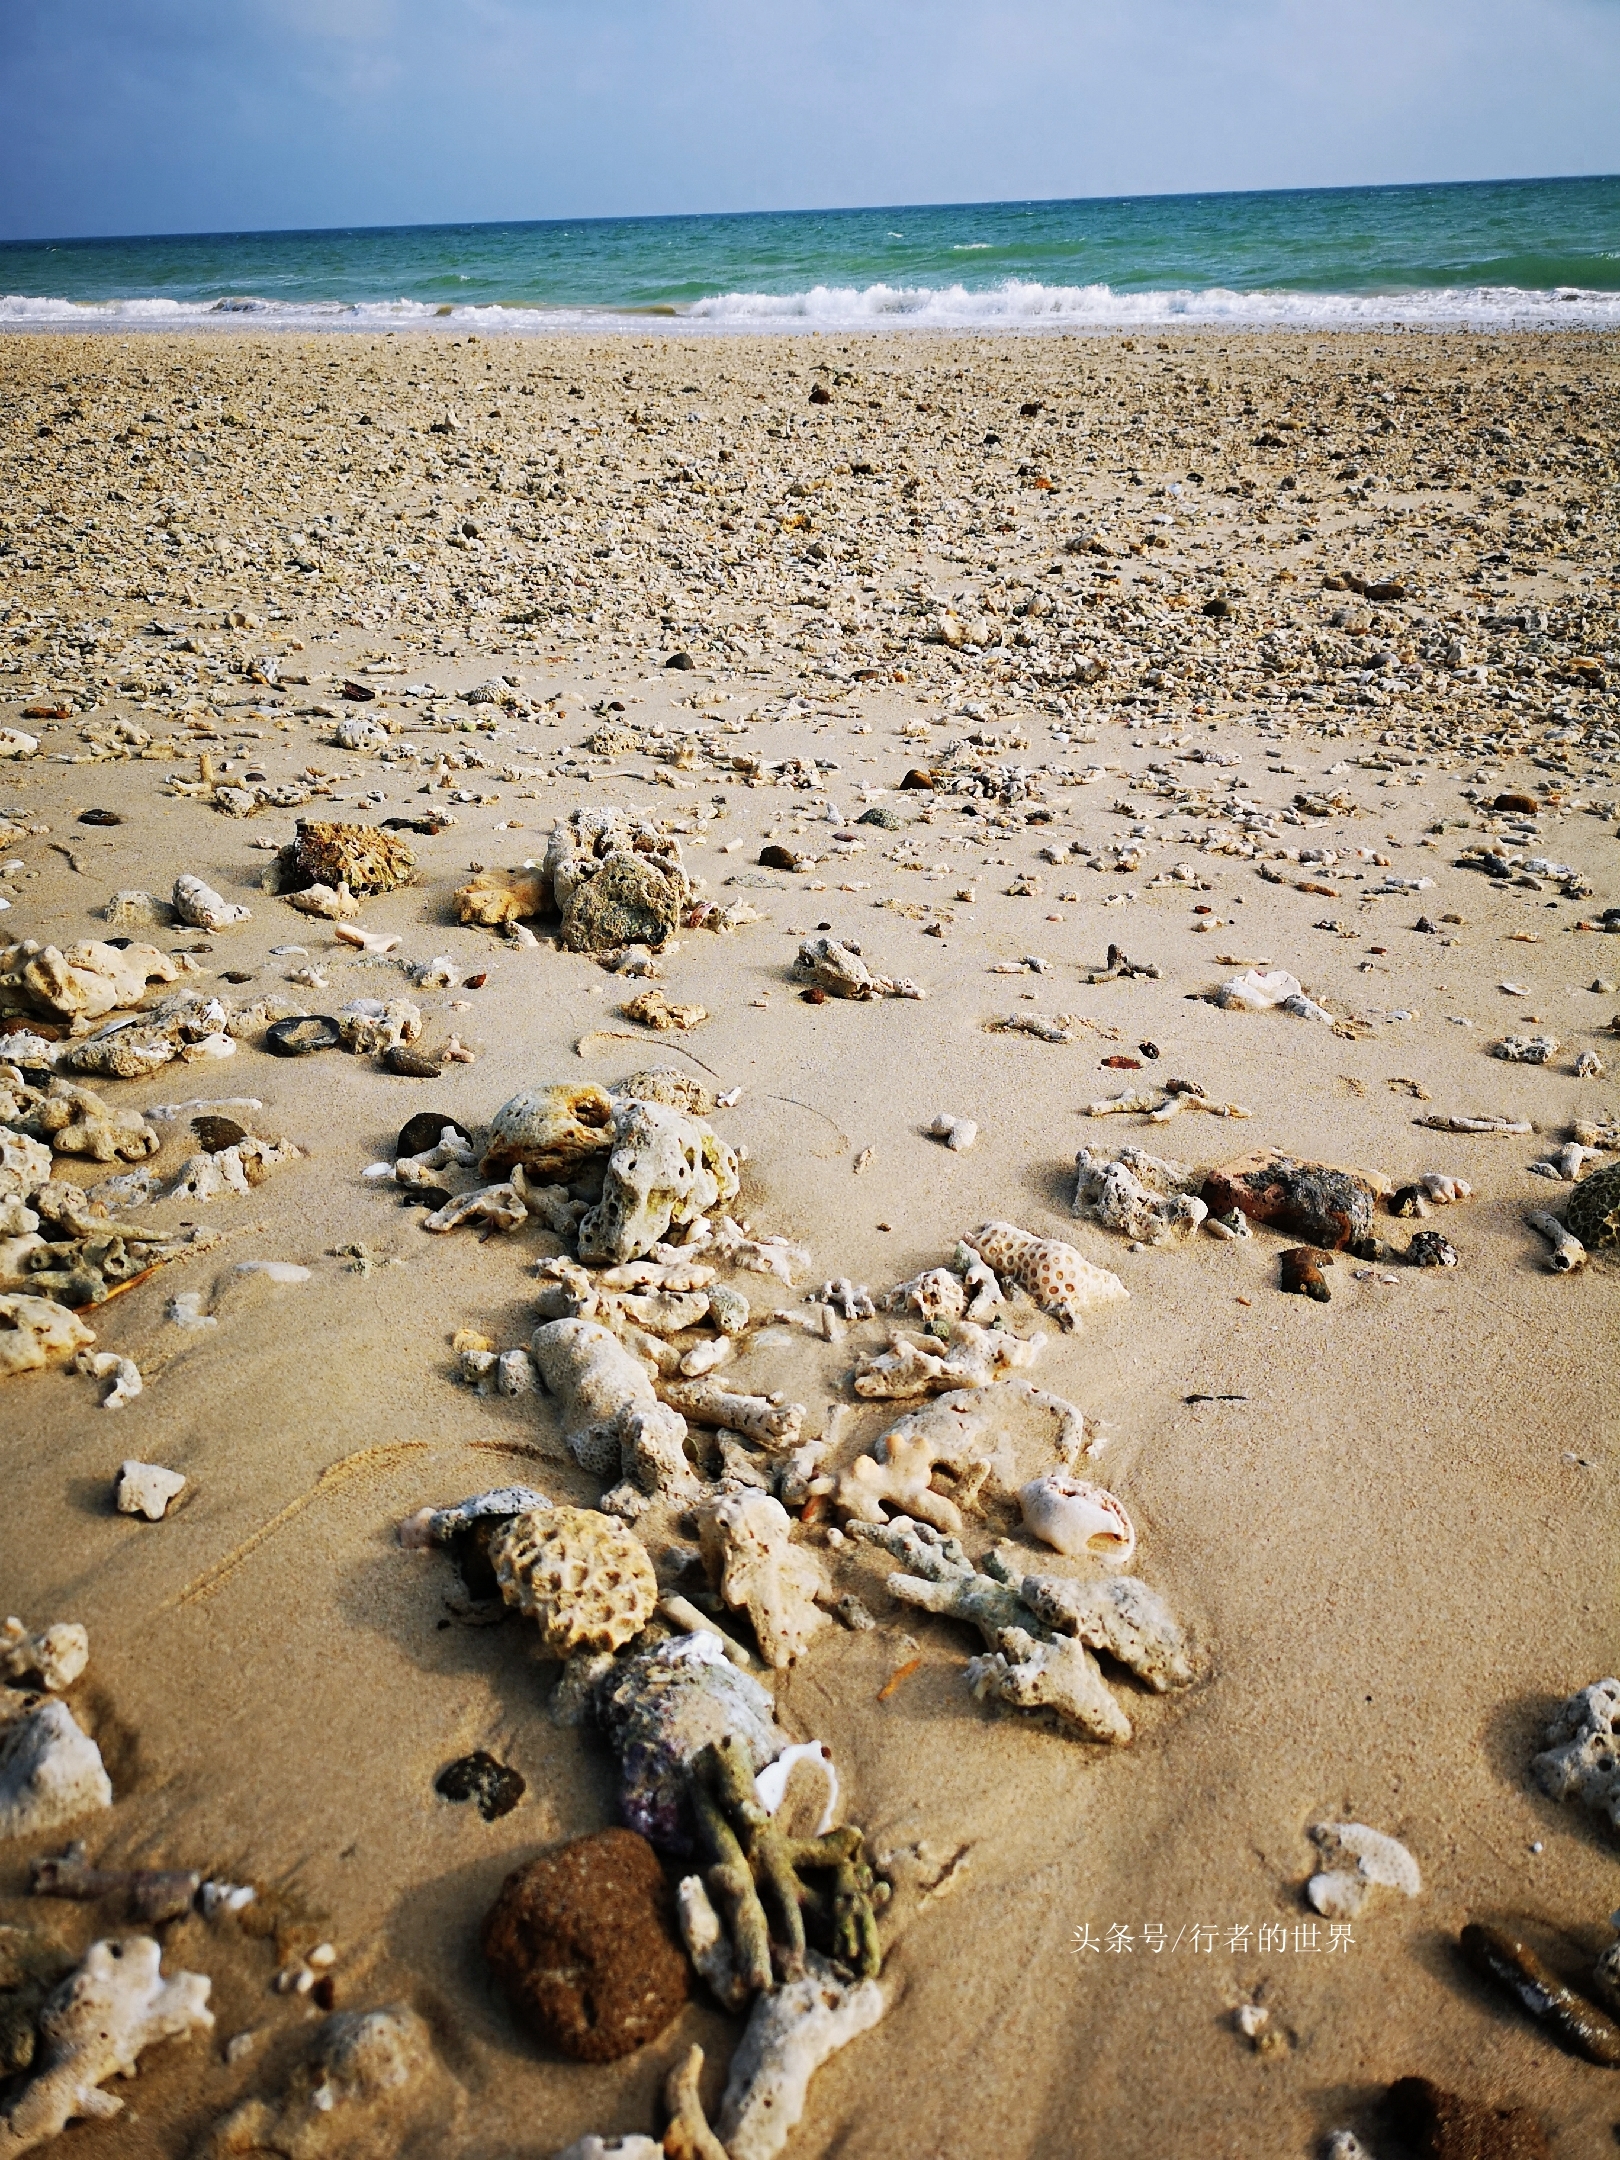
(1075, 1518)
(1514, 1967)
(1593, 1213)
(297, 1037)
(201, 908)
(660, 1709)
(550, 1131)
(1060, 1280)
(582, 1575)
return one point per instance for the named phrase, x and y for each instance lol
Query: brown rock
(1326, 1207)
(362, 857)
(1515, 799)
(1302, 1276)
(584, 1944)
(1444, 2126)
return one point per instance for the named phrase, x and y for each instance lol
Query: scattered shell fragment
(958, 1133)
(1075, 1518)
(1356, 1861)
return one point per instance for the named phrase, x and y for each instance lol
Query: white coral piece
(94, 2027)
(747, 1549)
(51, 1772)
(791, 2032)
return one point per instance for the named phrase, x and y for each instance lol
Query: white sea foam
(1014, 304)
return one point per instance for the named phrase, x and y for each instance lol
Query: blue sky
(121, 116)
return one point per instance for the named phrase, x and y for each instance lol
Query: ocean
(1509, 254)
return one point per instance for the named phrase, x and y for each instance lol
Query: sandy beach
(1266, 642)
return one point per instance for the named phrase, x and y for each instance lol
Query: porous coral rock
(839, 970)
(370, 1026)
(666, 1169)
(361, 857)
(94, 2027)
(31, 1965)
(616, 879)
(1122, 1617)
(936, 1293)
(747, 1550)
(236, 1169)
(791, 2032)
(1593, 1213)
(36, 1332)
(53, 1658)
(549, 1131)
(1060, 1280)
(612, 1422)
(1058, 1674)
(25, 1165)
(583, 1943)
(494, 897)
(201, 908)
(84, 983)
(51, 1771)
(502, 1207)
(77, 1121)
(580, 1574)
(355, 2095)
(330, 903)
(1582, 1757)
(1142, 1198)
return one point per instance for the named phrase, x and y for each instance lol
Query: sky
(149, 116)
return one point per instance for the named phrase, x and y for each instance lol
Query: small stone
(147, 1488)
(411, 1064)
(584, 1944)
(496, 1788)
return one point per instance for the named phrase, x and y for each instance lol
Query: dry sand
(1395, 1543)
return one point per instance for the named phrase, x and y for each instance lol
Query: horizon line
(897, 209)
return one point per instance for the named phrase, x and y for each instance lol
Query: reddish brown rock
(1443, 2126)
(584, 1944)
(1313, 1201)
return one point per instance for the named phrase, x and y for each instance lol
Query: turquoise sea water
(1497, 254)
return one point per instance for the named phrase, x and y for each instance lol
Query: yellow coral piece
(582, 1575)
(1060, 1280)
